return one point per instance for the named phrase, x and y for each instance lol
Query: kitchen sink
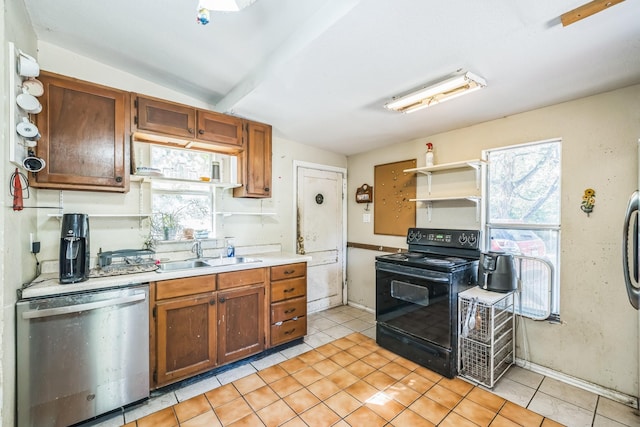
(231, 261)
(182, 265)
(203, 262)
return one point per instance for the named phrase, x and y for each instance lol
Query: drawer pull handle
(295, 318)
(289, 311)
(212, 302)
(221, 300)
(278, 323)
(289, 290)
(289, 271)
(290, 331)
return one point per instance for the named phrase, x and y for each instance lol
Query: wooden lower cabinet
(241, 323)
(195, 326)
(288, 303)
(186, 337)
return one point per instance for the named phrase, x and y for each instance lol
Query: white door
(320, 233)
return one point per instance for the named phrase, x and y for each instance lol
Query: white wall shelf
(149, 178)
(428, 170)
(246, 213)
(429, 202)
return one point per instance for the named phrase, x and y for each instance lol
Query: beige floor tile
(301, 400)
(395, 370)
(249, 383)
(320, 416)
(222, 395)
(384, 405)
(443, 396)
(569, 393)
(456, 385)
(207, 419)
(276, 414)
(342, 403)
(486, 399)
(360, 369)
(232, 411)
(285, 386)
(417, 382)
(365, 417)
(293, 365)
(307, 376)
(429, 409)
(192, 407)
(410, 418)
(617, 412)
(311, 357)
(379, 380)
(326, 367)
(328, 350)
(520, 415)
(475, 412)
(250, 420)
(361, 390)
(402, 393)
(524, 376)
(358, 352)
(260, 398)
(343, 378)
(560, 410)
(343, 358)
(163, 418)
(455, 420)
(272, 374)
(323, 388)
(375, 360)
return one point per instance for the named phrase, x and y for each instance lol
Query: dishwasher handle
(48, 312)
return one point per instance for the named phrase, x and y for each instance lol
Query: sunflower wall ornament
(588, 200)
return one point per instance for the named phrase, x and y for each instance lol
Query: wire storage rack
(486, 345)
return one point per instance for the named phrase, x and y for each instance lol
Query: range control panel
(468, 239)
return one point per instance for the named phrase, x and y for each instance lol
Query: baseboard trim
(623, 398)
(361, 307)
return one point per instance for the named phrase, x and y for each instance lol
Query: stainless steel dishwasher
(81, 355)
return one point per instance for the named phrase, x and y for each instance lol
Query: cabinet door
(219, 128)
(255, 162)
(241, 324)
(186, 337)
(165, 117)
(84, 141)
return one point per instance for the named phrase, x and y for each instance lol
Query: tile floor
(340, 377)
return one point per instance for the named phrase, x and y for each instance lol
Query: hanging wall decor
(588, 201)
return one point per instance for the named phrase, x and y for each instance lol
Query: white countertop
(48, 284)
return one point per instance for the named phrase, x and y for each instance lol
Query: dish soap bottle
(429, 155)
(231, 250)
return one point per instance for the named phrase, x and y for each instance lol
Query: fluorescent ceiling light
(437, 93)
(225, 5)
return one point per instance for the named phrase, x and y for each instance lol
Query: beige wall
(597, 339)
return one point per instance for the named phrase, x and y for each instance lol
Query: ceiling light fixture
(437, 93)
(205, 6)
(225, 5)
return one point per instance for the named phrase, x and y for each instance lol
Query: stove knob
(462, 239)
(473, 240)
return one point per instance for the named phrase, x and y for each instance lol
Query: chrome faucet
(197, 248)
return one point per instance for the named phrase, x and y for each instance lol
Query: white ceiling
(320, 71)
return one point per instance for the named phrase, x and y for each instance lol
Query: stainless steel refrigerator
(631, 255)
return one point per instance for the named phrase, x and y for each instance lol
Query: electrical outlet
(366, 217)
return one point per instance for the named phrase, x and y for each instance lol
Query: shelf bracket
(429, 208)
(476, 167)
(429, 184)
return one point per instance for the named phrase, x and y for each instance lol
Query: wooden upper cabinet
(255, 162)
(220, 128)
(84, 129)
(161, 121)
(165, 117)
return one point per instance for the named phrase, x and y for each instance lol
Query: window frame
(488, 226)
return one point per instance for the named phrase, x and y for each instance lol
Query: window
(523, 218)
(182, 203)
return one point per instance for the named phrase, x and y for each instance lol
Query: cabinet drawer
(289, 330)
(185, 286)
(287, 289)
(288, 271)
(288, 309)
(235, 279)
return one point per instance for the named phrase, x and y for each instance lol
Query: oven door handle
(415, 272)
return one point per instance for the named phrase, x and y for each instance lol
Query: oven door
(415, 301)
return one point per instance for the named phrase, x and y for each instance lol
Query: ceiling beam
(586, 10)
(306, 33)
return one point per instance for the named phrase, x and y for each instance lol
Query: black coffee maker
(74, 248)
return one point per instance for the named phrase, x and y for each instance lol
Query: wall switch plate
(366, 217)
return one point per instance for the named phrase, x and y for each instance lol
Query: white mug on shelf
(33, 86)
(27, 65)
(28, 102)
